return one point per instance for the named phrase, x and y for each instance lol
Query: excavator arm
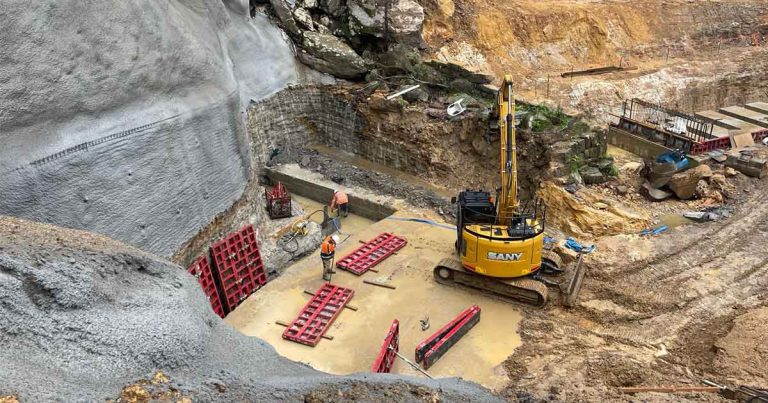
(507, 201)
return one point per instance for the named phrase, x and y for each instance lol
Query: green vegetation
(540, 118)
(575, 163)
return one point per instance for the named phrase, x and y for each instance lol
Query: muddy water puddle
(478, 356)
(675, 220)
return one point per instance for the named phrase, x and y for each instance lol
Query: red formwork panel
(389, 348)
(239, 266)
(431, 349)
(371, 253)
(759, 135)
(318, 314)
(201, 269)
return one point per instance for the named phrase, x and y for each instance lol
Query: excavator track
(532, 292)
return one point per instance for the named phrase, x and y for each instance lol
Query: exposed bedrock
(125, 118)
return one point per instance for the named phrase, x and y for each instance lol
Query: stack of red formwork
(238, 265)
(201, 269)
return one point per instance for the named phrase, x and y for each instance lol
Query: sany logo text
(513, 257)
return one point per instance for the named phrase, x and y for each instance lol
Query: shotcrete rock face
(124, 117)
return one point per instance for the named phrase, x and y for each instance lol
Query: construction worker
(327, 251)
(341, 200)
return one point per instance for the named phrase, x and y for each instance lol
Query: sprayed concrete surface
(358, 335)
(126, 119)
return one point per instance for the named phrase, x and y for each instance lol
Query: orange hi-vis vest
(340, 198)
(328, 248)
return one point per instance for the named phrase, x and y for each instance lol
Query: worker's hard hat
(335, 238)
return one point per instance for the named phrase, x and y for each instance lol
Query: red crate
(239, 266)
(389, 348)
(278, 201)
(318, 314)
(201, 269)
(371, 253)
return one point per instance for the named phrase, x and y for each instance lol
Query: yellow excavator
(501, 243)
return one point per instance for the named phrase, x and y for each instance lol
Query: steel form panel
(371, 253)
(201, 269)
(431, 349)
(239, 266)
(389, 348)
(318, 314)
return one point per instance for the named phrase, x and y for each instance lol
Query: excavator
(500, 243)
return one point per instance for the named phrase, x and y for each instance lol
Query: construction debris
(435, 346)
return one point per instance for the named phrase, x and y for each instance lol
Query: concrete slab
(727, 122)
(746, 115)
(761, 107)
(479, 356)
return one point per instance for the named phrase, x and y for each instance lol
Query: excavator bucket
(573, 288)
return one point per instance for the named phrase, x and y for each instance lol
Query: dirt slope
(658, 312)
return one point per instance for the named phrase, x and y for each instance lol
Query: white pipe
(409, 89)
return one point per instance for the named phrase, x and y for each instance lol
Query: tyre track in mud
(714, 272)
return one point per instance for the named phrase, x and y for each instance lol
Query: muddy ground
(657, 312)
(673, 309)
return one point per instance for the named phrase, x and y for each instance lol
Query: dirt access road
(671, 310)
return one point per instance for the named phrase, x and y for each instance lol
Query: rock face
(125, 119)
(329, 54)
(588, 216)
(367, 17)
(82, 315)
(405, 19)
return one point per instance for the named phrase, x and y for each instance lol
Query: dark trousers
(344, 209)
(327, 268)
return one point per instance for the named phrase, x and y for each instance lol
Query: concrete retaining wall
(634, 144)
(323, 193)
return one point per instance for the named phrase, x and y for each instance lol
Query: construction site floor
(357, 336)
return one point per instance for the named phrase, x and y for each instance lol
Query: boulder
(366, 17)
(684, 184)
(730, 172)
(405, 19)
(282, 9)
(417, 95)
(591, 175)
(328, 54)
(304, 19)
(334, 8)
